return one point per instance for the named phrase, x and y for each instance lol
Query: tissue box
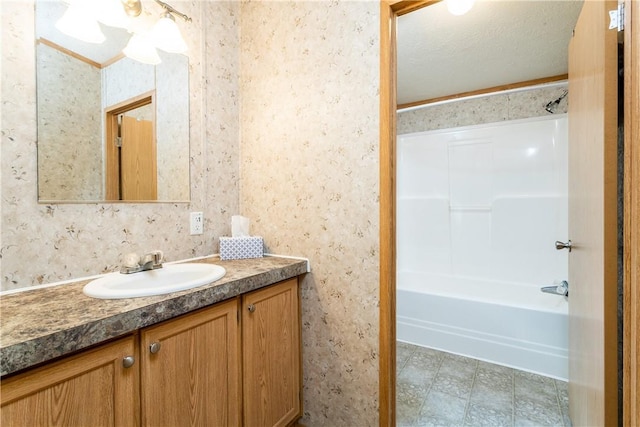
(241, 247)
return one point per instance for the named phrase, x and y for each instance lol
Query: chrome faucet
(134, 264)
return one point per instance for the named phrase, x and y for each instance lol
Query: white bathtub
(509, 324)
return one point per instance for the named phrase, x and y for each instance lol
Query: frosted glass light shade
(78, 22)
(111, 12)
(140, 48)
(459, 7)
(166, 35)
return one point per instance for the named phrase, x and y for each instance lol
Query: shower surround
(479, 208)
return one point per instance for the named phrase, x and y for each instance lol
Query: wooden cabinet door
(93, 388)
(190, 373)
(271, 355)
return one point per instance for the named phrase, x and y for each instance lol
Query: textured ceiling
(497, 42)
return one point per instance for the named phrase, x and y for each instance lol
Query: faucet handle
(131, 260)
(158, 257)
(154, 257)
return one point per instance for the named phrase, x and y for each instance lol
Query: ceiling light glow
(459, 7)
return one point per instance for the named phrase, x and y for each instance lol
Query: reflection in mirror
(131, 160)
(76, 95)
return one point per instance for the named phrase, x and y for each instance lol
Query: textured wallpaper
(69, 134)
(305, 170)
(43, 243)
(309, 182)
(172, 127)
(491, 108)
(125, 79)
(303, 167)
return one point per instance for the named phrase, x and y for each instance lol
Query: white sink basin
(170, 278)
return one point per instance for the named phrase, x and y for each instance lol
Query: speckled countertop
(42, 324)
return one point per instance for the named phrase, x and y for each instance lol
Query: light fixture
(81, 21)
(112, 13)
(166, 35)
(142, 49)
(132, 8)
(78, 22)
(459, 7)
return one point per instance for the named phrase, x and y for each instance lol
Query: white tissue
(239, 226)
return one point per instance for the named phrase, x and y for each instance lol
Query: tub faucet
(134, 264)
(561, 289)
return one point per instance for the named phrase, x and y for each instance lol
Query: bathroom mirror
(82, 90)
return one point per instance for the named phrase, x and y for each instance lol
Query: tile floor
(442, 389)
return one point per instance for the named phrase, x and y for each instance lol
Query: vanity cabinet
(217, 366)
(98, 387)
(271, 355)
(190, 369)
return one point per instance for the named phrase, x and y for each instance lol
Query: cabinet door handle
(251, 308)
(128, 361)
(154, 347)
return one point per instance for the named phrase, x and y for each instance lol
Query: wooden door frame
(112, 161)
(389, 11)
(631, 273)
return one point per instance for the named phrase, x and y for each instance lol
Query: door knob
(562, 245)
(563, 288)
(251, 308)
